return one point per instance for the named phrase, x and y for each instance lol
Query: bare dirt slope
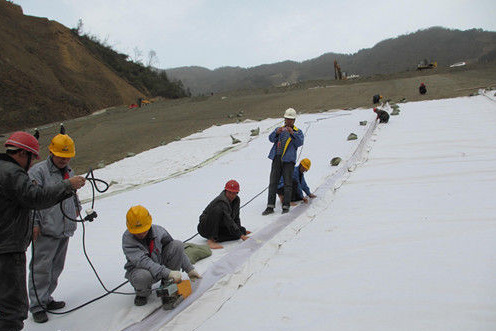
(109, 136)
(46, 74)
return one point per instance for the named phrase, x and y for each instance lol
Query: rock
(395, 112)
(234, 140)
(363, 123)
(352, 136)
(130, 154)
(335, 161)
(255, 132)
(100, 165)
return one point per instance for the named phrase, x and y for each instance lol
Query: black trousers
(284, 169)
(213, 227)
(294, 188)
(13, 292)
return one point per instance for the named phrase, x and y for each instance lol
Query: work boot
(54, 305)
(40, 317)
(267, 211)
(140, 301)
(285, 210)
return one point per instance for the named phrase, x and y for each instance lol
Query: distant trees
(147, 80)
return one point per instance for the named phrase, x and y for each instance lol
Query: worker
(52, 230)
(286, 140)
(152, 255)
(376, 98)
(18, 195)
(220, 220)
(299, 184)
(382, 115)
(422, 89)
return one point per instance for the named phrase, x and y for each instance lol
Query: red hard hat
(232, 186)
(24, 140)
(375, 109)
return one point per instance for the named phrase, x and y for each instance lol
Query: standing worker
(299, 184)
(18, 195)
(220, 219)
(152, 255)
(286, 140)
(52, 229)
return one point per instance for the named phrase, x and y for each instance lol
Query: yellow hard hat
(138, 219)
(63, 146)
(305, 163)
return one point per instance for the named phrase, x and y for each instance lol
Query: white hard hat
(290, 113)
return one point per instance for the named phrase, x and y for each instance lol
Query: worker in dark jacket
(18, 195)
(382, 115)
(220, 220)
(376, 98)
(151, 254)
(422, 89)
(299, 184)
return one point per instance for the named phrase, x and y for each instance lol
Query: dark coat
(221, 213)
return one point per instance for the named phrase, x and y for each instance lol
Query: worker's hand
(305, 200)
(175, 276)
(36, 232)
(194, 275)
(280, 130)
(289, 129)
(312, 196)
(243, 237)
(77, 182)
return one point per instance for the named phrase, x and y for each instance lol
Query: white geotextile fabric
(225, 276)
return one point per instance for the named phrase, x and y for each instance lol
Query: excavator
(426, 65)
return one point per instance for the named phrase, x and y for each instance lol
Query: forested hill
(436, 44)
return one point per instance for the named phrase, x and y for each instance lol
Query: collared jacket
(294, 141)
(51, 220)
(301, 184)
(230, 214)
(18, 195)
(150, 258)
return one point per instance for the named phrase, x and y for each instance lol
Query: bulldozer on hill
(426, 65)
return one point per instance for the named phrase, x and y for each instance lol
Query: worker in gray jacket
(152, 255)
(18, 195)
(52, 229)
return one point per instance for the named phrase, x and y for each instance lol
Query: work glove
(194, 275)
(175, 276)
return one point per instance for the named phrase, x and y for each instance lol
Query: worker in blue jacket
(299, 184)
(286, 140)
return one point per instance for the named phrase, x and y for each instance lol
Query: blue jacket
(294, 141)
(301, 184)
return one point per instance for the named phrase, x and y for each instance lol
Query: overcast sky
(217, 33)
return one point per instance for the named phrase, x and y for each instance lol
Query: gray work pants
(13, 294)
(173, 257)
(284, 169)
(47, 265)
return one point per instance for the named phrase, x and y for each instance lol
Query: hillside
(389, 56)
(48, 74)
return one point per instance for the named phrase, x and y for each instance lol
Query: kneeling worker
(220, 219)
(382, 115)
(152, 255)
(299, 184)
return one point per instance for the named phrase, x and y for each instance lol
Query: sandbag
(196, 252)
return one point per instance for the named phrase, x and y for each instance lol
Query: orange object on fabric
(184, 288)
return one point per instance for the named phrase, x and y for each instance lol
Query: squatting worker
(52, 229)
(382, 115)
(299, 184)
(18, 195)
(286, 140)
(220, 219)
(152, 255)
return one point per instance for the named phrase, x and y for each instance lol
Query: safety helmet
(63, 146)
(232, 186)
(290, 114)
(138, 219)
(25, 141)
(305, 163)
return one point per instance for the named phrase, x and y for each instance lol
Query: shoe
(40, 317)
(268, 210)
(285, 210)
(54, 305)
(140, 301)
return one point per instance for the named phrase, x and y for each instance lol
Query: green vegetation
(146, 79)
